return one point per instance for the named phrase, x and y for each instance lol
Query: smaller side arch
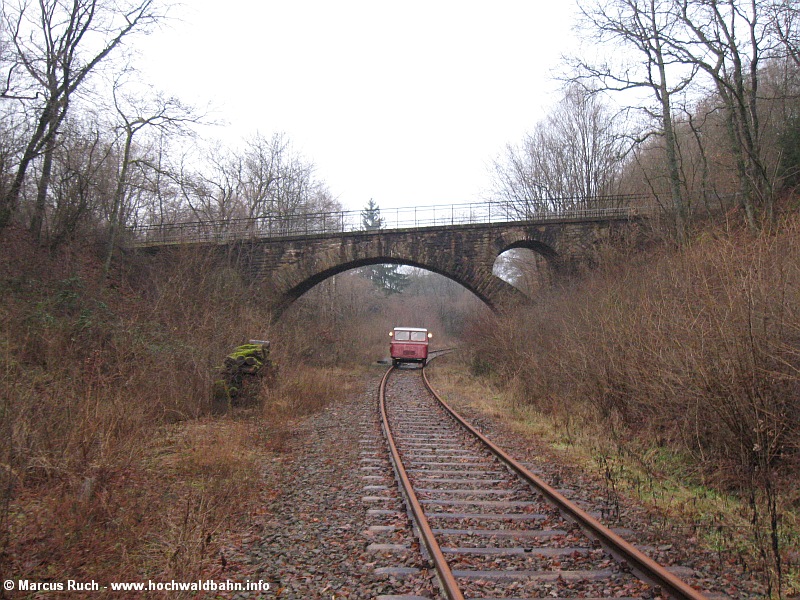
(527, 271)
(535, 245)
(524, 239)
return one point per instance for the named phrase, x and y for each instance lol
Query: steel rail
(643, 566)
(446, 579)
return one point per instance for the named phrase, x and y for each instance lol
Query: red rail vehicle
(409, 344)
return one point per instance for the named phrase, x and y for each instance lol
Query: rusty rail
(641, 565)
(446, 579)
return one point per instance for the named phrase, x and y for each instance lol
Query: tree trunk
(40, 208)
(119, 198)
(40, 137)
(673, 168)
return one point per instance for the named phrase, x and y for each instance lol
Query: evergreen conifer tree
(386, 277)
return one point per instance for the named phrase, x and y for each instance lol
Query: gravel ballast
(334, 525)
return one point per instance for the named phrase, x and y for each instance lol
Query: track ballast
(491, 528)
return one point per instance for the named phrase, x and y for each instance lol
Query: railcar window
(401, 336)
(419, 336)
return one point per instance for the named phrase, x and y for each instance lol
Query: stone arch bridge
(465, 253)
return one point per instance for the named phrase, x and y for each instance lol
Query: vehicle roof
(410, 329)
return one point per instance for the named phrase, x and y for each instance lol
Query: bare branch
(57, 44)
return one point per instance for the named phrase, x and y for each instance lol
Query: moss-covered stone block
(242, 373)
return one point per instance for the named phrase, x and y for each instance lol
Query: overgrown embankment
(687, 362)
(111, 464)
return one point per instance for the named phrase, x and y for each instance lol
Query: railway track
(493, 529)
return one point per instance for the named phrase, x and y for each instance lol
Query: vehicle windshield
(412, 336)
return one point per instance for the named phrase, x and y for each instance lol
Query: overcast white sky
(403, 102)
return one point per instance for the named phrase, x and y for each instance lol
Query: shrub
(697, 350)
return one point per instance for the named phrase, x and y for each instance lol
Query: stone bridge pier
(463, 253)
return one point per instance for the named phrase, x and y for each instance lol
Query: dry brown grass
(689, 361)
(157, 516)
(300, 392)
(111, 465)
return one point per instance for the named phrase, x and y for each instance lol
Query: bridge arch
(289, 296)
(511, 265)
(535, 239)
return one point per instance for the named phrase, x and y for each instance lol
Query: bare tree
(724, 43)
(570, 160)
(264, 164)
(728, 41)
(81, 180)
(9, 149)
(645, 27)
(11, 88)
(137, 112)
(588, 156)
(784, 21)
(265, 180)
(212, 192)
(516, 185)
(56, 45)
(160, 178)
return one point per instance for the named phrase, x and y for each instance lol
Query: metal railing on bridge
(343, 222)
